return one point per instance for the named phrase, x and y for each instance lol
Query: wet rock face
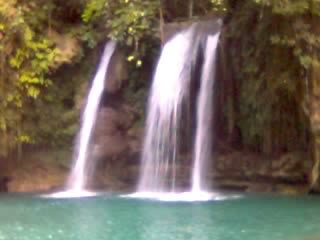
(116, 117)
(208, 24)
(312, 110)
(117, 138)
(111, 133)
(288, 167)
(252, 172)
(114, 120)
(117, 73)
(4, 184)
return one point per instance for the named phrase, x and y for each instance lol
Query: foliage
(219, 5)
(28, 56)
(130, 22)
(273, 50)
(135, 23)
(273, 47)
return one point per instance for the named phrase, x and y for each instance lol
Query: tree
(29, 56)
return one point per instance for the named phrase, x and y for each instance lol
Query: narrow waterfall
(170, 87)
(78, 177)
(203, 141)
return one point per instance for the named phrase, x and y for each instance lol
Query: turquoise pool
(106, 217)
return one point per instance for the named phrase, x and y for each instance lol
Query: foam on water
(182, 196)
(71, 194)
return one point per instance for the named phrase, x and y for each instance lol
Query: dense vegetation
(39, 39)
(274, 49)
(273, 52)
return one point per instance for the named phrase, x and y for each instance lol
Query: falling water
(170, 87)
(78, 177)
(170, 91)
(203, 141)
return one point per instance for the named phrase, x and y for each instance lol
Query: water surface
(262, 217)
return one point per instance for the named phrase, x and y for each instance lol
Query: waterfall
(171, 90)
(76, 185)
(170, 87)
(78, 177)
(203, 141)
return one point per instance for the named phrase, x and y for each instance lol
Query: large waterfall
(76, 185)
(170, 87)
(171, 90)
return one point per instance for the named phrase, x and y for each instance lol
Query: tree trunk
(314, 114)
(161, 25)
(230, 88)
(191, 5)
